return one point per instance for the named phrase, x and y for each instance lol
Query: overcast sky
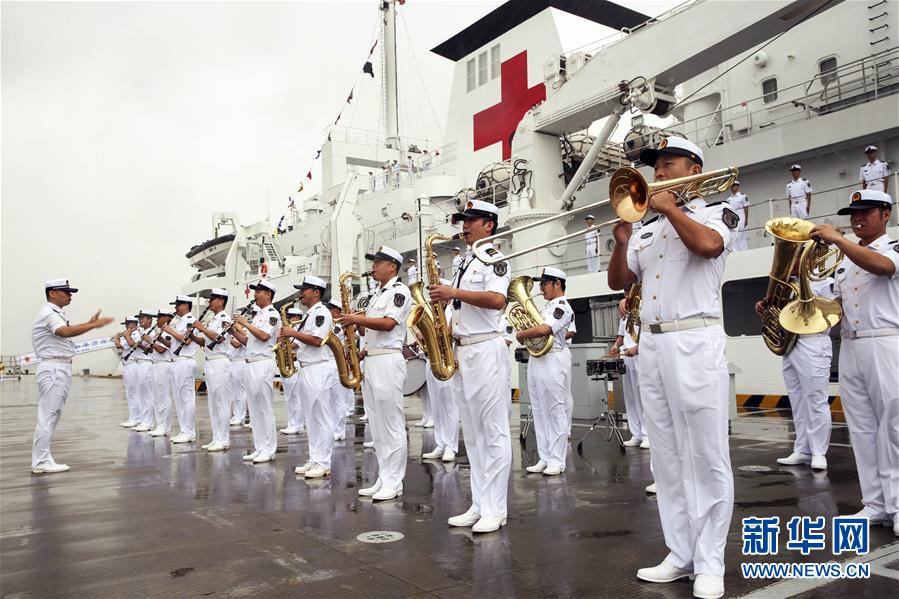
(126, 125)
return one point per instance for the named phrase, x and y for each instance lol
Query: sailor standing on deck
(259, 336)
(799, 193)
(591, 245)
(237, 357)
(479, 298)
(679, 257)
(162, 379)
(412, 271)
(458, 261)
(291, 385)
(316, 376)
(50, 338)
(549, 375)
(128, 373)
(217, 371)
(384, 327)
(184, 367)
(139, 342)
(445, 410)
(874, 174)
(740, 204)
(343, 400)
(627, 347)
(867, 283)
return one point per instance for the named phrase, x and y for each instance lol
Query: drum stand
(614, 431)
(601, 369)
(522, 436)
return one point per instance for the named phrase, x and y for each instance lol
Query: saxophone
(346, 356)
(284, 354)
(633, 311)
(523, 314)
(429, 317)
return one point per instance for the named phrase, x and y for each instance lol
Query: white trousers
(144, 384)
(869, 391)
(338, 405)
(53, 382)
(684, 389)
(631, 384)
(444, 409)
(484, 405)
(315, 383)
(238, 388)
(548, 380)
(592, 260)
(185, 394)
(162, 390)
(426, 410)
(293, 401)
(382, 390)
(798, 210)
(349, 400)
(806, 371)
(218, 396)
(740, 242)
(129, 378)
(260, 376)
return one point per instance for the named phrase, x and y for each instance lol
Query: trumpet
(629, 194)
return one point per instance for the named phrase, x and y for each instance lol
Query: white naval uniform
(382, 386)
(796, 192)
(260, 375)
(739, 202)
(129, 379)
(636, 421)
(413, 274)
(144, 379)
(444, 408)
(484, 369)
(873, 174)
(317, 375)
(238, 377)
(684, 387)
(869, 378)
(591, 245)
(806, 372)
(341, 397)
(183, 379)
(54, 377)
(292, 396)
(218, 382)
(162, 379)
(458, 261)
(549, 379)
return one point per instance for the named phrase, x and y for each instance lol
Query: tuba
(346, 354)
(429, 318)
(809, 314)
(523, 314)
(284, 354)
(632, 302)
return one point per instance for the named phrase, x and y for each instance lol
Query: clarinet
(221, 336)
(128, 355)
(188, 332)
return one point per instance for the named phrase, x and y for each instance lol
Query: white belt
(237, 359)
(210, 357)
(258, 359)
(682, 325)
(57, 360)
(165, 361)
(142, 360)
(472, 339)
(183, 358)
(308, 364)
(382, 351)
(883, 332)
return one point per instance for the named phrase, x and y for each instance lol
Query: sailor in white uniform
(162, 378)
(292, 396)
(51, 339)
(217, 372)
(479, 298)
(237, 357)
(679, 258)
(385, 328)
(259, 338)
(343, 400)
(867, 283)
(142, 358)
(412, 271)
(457, 260)
(549, 375)
(183, 369)
(627, 347)
(799, 193)
(874, 174)
(740, 204)
(128, 378)
(317, 375)
(444, 408)
(591, 245)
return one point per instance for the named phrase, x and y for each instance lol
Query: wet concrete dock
(139, 517)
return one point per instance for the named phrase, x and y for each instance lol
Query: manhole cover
(380, 536)
(754, 468)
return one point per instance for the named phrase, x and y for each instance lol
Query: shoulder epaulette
(491, 251)
(652, 220)
(714, 203)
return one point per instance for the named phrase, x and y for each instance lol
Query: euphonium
(430, 317)
(633, 311)
(809, 314)
(523, 314)
(284, 354)
(346, 354)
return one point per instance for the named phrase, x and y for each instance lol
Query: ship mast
(389, 93)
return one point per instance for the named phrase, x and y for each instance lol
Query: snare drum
(415, 374)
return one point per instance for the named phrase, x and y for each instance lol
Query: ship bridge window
(494, 62)
(769, 90)
(827, 68)
(471, 76)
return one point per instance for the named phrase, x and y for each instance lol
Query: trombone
(629, 194)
